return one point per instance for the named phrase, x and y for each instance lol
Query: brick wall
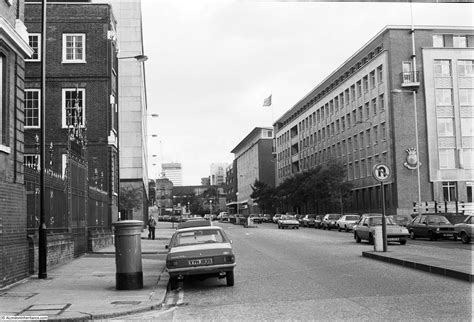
(59, 250)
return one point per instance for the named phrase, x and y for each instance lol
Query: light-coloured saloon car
(347, 222)
(365, 230)
(200, 251)
(465, 229)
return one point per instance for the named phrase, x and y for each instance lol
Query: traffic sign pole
(381, 173)
(384, 221)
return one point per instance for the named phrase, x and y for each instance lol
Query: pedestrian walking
(151, 227)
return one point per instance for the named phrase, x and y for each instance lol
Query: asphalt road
(310, 274)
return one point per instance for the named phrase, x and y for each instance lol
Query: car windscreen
(377, 221)
(438, 221)
(195, 237)
(334, 216)
(352, 217)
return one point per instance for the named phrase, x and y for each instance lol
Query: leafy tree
(263, 195)
(130, 199)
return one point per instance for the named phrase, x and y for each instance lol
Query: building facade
(133, 105)
(404, 99)
(82, 99)
(174, 172)
(217, 173)
(14, 49)
(253, 160)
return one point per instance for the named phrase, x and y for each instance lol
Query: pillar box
(128, 255)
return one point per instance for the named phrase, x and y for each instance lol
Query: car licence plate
(202, 261)
(392, 239)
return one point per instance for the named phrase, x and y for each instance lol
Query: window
(32, 108)
(467, 157)
(447, 159)
(73, 106)
(442, 68)
(367, 109)
(361, 138)
(466, 97)
(359, 88)
(34, 40)
(443, 97)
(74, 48)
(4, 125)
(445, 126)
(348, 117)
(343, 123)
(31, 161)
(353, 92)
(459, 41)
(372, 79)
(467, 126)
(380, 74)
(438, 41)
(374, 106)
(407, 72)
(368, 137)
(361, 114)
(381, 102)
(449, 191)
(366, 83)
(383, 131)
(376, 134)
(466, 67)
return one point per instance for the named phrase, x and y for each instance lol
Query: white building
(174, 172)
(217, 174)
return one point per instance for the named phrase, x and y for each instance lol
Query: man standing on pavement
(151, 228)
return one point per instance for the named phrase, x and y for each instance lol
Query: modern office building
(14, 49)
(253, 160)
(174, 172)
(133, 114)
(217, 174)
(404, 99)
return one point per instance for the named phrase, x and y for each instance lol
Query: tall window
(372, 79)
(467, 126)
(73, 106)
(459, 41)
(3, 108)
(466, 97)
(374, 106)
(32, 108)
(447, 159)
(445, 126)
(438, 41)
(467, 157)
(466, 67)
(449, 190)
(380, 74)
(442, 68)
(381, 102)
(74, 48)
(34, 40)
(443, 97)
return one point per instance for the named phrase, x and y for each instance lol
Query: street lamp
(210, 210)
(139, 58)
(396, 91)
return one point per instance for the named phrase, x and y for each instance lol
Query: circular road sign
(381, 172)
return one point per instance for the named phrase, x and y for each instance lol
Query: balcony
(410, 80)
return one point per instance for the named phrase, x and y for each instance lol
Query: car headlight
(437, 229)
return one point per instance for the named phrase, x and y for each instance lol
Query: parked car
(194, 222)
(318, 221)
(276, 217)
(330, 221)
(288, 221)
(267, 218)
(209, 216)
(308, 220)
(200, 251)
(223, 216)
(431, 226)
(365, 230)
(465, 230)
(347, 222)
(402, 220)
(257, 219)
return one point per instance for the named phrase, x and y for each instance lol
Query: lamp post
(210, 210)
(415, 115)
(139, 58)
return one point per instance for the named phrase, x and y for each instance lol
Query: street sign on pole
(381, 173)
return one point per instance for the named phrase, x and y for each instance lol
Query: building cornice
(21, 44)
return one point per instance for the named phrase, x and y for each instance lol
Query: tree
(263, 195)
(130, 199)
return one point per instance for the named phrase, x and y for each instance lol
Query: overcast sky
(212, 63)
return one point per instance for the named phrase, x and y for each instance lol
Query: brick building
(81, 80)
(402, 85)
(13, 49)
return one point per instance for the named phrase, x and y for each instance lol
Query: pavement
(84, 288)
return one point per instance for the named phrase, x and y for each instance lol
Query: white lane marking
(180, 297)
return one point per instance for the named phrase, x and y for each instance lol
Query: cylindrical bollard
(128, 255)
(378, 239)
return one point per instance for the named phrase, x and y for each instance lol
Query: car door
(363, 229)
(422, 227)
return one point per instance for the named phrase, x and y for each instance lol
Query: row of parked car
(399, 227)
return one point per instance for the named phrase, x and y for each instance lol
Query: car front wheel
(465, 238)
(412, 234)
(229, 276)
(338, 228)
(173, 283)
(371, 239)
(357, 238)
(403, 241)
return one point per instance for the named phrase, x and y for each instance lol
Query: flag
(268, 101)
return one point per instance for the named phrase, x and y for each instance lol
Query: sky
(211, 64)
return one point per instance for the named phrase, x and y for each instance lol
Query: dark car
(318, 221)
(432, 227)
(402, 220)
(308, 220)
(330, 221)
(257, 219)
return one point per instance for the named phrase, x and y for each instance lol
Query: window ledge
(5, 149)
